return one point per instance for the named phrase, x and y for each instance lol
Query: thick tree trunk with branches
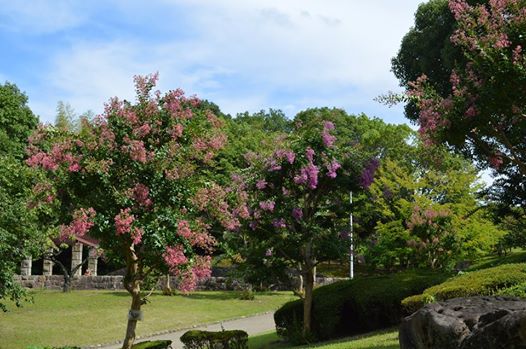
(132, 283)
(68, 274)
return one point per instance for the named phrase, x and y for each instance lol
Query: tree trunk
(133, 317)
(132, 283)
(307, 301)
(300, 279)
(167, 290)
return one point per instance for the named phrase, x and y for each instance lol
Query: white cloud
(39, 16)
(242, 54)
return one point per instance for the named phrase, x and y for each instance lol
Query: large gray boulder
(467, 323)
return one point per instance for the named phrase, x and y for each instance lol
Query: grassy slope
(387, 339)
(516, 256)
(90, 317)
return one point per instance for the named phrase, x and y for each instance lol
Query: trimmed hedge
(507, 279)
(354, 306)
(40, 347)
(161, 344)
(233, 339)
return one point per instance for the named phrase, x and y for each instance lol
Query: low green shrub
(501, 280)
(161, 344)
(354, 306)
(233, 339)
(46, 347)
(518, 290)
(247, 295)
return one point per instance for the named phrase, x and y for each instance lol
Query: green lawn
(92, 317)
(376, 340)
(515, 256)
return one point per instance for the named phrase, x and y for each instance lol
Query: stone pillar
(76, 258)
(25, 266)
(92, 261)
(47, 268)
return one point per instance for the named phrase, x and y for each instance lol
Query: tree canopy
(476, 104)
(130, 178)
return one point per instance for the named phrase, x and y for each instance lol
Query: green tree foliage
(425, 212)
(427, 49)
(248, 134)
(16, 120)
(476, 105)
(18, 234)
(66, 117)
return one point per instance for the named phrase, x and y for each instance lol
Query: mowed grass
(387, 339)
(93, 317)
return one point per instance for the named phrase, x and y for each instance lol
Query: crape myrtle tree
(482, 114)
(129, 179)
(294, 203)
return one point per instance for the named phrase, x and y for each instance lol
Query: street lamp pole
(351, 250)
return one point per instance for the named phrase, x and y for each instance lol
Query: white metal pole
(351, 252)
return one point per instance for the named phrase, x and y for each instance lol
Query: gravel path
(251, 324)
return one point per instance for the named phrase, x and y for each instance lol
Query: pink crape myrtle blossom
(83, 221)
(183, 229)
(141, 194)
(123, 221)
(174, 257)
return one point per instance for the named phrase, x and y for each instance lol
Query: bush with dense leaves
(161, 344)
(507, 279)
(40, 347)
(354, 306)
(233, 339)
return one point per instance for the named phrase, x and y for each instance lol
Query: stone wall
(107, 282)
(55, 282)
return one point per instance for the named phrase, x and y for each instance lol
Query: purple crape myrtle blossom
(289, 155)
(309, 153)
(327, 138)
(261, 184)
(332, 168)
(367, 177)
(312, 172)
(274, 166)
(279, 223)
(297, 213)
(267, 205)
(302, 177)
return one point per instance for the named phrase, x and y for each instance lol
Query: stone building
(77, 248)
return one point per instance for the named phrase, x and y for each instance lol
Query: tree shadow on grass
(373, 340)
(218, 295)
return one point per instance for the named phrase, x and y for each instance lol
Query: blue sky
(244, 55)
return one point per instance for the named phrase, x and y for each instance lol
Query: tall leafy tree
(17, 121)
(130, 178)
(425, 213)
(293, 204)
(480, 109)
(66, 116)
(18, 234)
